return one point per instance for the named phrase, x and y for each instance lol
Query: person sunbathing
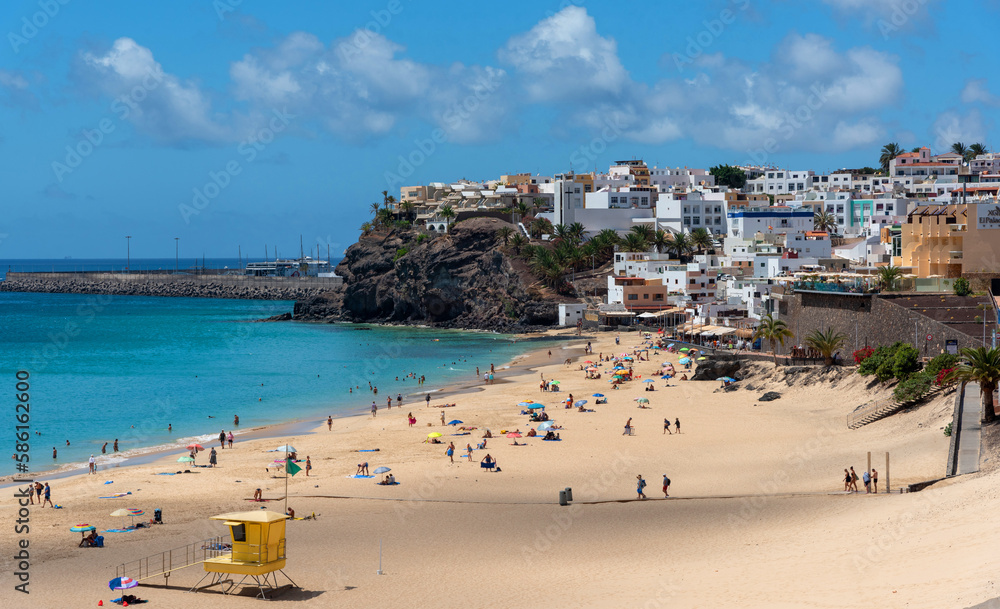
(488, 434)
(258, 495)
(532, 433)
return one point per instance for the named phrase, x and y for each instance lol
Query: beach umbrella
(197, 447)
(82, 528)
(597, 395)
(382, 470)
(666, 377)
(186, 459)
(727, 379)
(685, 360)
(122, 583)
(525, 404)
(627, 358)
(455, 422)
(685, 349)
(434, 434)
(536, 407)
(553, 382)
(579, 403)
(285, 449)
(545, 426)
(588, 362)
(702, 358)
(649, 381)
(592, 369)
(643, 400)
(513, 434)
(670, 345)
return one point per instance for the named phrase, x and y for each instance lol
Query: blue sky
(229, 123)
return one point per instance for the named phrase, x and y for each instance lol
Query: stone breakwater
(203, 288)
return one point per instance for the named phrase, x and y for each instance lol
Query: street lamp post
(128, 253)
(176, 252)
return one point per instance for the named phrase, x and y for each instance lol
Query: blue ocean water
(126, 367)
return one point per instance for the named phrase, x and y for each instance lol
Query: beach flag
(291, 468)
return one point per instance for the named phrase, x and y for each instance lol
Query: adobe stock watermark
(789, 124)
(92, 139)
(33, 24)
(453, 118)
(587, 153)
(249, 149)
(364, 35)
(902, 12)
(714, 28)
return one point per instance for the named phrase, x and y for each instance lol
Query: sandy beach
(757, 516)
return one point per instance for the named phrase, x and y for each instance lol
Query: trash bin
(562, 498)
(569, 494)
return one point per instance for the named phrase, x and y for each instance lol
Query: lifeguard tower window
(239, 532)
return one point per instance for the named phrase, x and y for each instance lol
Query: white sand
(756, 516)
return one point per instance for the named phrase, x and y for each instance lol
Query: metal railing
(174, 559)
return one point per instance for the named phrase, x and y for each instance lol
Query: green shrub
(941, 362)
(400, 253)
(913, 388)
(421, 237)
(961, 287)
(905, 362)
(871, 364)
(947, 430)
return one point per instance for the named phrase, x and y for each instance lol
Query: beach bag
(668, 481)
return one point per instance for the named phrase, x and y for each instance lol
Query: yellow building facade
(948, 240)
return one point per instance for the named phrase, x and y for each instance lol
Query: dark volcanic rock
(281, 317)
(716, 366)
(770, 396)
(459, 280)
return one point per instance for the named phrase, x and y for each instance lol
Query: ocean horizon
(104, 367)
(73, 265)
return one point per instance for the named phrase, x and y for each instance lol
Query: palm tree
(887, 277)
(517, 242)
(825, 221)
(447, 213)
(680, 246)
(980, 365)
(960, 148)
(889, 152)
(773, 330)
(561, 232)
(537, 203)
(976, 150)
(539, 227)
(577, 231)
(383, 218)
(827, 343)
(407, 208)
(504, 233)
(522, 210)
(366, 229)
(634, 242)
(374, 207)
(661, 239)
(643, 230)
(701, 239)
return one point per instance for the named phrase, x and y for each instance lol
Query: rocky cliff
(459, 280)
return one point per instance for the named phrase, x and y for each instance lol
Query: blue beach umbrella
(455, 422)
(579, 403)
(597, 395)
(685, 360)
(122, 583)
(545, 426)
(649, 381)
(382, 470)
(727, 379)
(670, 345)
(536, 406)
(666, 377)
(525, 404)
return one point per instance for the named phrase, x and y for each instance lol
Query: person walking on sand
(222, 439)
(666, 486)
(468, 451)
(48, 496)
(309, 465)
(388, 402)
(428, 399)
(374, 410)
(451, 451)
(867, 479)
(229, 438)
(875, 481)
(677, 424)
(847, 481)
(628, 427)
(442, 418)
(213, 458)
(640, 485)
(666, 427)
(329, 423)
(93, 464)
(854, 480)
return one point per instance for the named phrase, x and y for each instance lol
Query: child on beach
(230, 438)
(640, 485)
(468, 451)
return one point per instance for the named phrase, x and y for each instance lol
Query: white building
(666, 178)
(769, 220)
(781, 181)
(571, 313)
(619, 199)
(696, 209)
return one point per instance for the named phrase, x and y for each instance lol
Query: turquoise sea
(126, 367)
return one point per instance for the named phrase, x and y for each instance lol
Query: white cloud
(157, 103)
(888, 16)
(563, 58)
(976, 92)
(860, 134)
(951, 126)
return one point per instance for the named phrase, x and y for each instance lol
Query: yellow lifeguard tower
(258, 551)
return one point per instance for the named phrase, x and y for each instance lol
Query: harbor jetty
(170, 284)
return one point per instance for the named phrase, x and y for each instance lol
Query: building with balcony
(948, 240)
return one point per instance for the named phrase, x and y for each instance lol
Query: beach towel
(57, 507)
(359, 476)
(118, 531)
(167, 473)
(369, 450)
(116, 495)
(393, 484)
(110, 482)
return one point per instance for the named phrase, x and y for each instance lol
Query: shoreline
(296, 426)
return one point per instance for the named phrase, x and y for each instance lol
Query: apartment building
(667, 178)
(781, 181)
(769, 220)
(697, 209)
(947, 240)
